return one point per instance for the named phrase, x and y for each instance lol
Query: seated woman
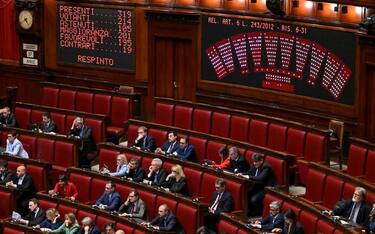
(176, 181)
(70, 225)
(225, 159)
(52, 222)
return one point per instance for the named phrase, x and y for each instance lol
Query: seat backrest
(59, 119)
(332, 191)
(315, 148)
(97, 127)
(123, 190)
(347, 191)
(194, 178)
(268, 198)
(146, 163)
(84, 102)
(132, 133)
(226, 227)
(202, 120)
(101, 222)
(150, 201)
(239, 128)
(308, 221)
(324, 227)
(39, 176)
(83, 184)
(183, 116)
(125, 228)
(68, 123)
(23, 117)
(172, 204)
(235, 189)
(356, 160)
(220, 124)
(276, 137)
(164, 113)
(36, 116)
(315, 185)
(67, 99)
(5, 204)
(279, 169)
(82, 214)
(29, 144)
(212, 151)
(63, 209)
(102, 104)
(200, 147)
(45, 149)
(188, 216)
(287, 206)
(97, 188)
(295, 142)
(370, 165)
(207, 187)
(50, 96)
(45, 204)
(108, 157)
(120, 111)
(159, 135)
(64, 154)
(9, 230)
(258, 132)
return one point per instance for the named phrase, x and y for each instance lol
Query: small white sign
(30, 54)
(33, 47)
(29, 61)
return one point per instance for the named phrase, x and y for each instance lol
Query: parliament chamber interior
(187, 116)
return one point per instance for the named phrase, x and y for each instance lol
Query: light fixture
(320, 6)
(344, 9)
(295, 3)
(253, 1)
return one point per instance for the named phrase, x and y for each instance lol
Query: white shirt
(16, 149)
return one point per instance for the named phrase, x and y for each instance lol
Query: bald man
(166, 221)
(119, 232)
(24, 182)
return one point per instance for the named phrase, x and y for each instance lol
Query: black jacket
(146, 143)
(50, 127)
(35, 219)
(87, 140)
(344, 208)
(239, 166)
(160, 177)
(7, 176)
(225, 203)
(265, 176)
(177, 186)
(9, 121)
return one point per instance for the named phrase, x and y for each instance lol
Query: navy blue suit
(168, 223)
(270, 222)
(239, 166)
(372, 226)
(135, 174)
(344, 208)
(112, 203)
(147, 143)
(167, 144)
(188, 153)
(160, 177)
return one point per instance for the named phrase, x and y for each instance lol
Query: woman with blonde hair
(70, 225)
(176, 181)
(52, 221)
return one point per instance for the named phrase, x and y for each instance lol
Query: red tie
(214, 206)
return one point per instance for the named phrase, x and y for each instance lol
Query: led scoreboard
(95, 36)
(292, 58)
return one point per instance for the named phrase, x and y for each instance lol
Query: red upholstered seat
(150, 200)
(60, 122)
(102, 104)
(23, 117)
(212, 151)
(67, 99)
(124, 227)
(226, 227)
(167, 166)
(194, 178)
(258, 132)
(120, 111)
(220, 124)
(332, 192)
(102, 221)
(303, 168)
(315, 148)
(9, 230)
(97, 188)
(39, 176)
(356, 160)
(5, 204)
(277, 137)
(29, 144)
(64, 154)
(4, 137)
(279, 168)
(68, 123)
(82, 214)
(183, 116)
(108, 157)
(50, 96)
(164, 113)
(268, 198)
(136, 231)
(36, 116)
(97, 129)
(370, 197)
(146, 162)
(200, 147)
(132, 134)
(13, 166)
(45, 204)
(45, 149)
(249, 156)
(159, 135)
(235, 189)
(83, 184)
(202, 120)
(242, 231)
(308, 221)
(64, 209)
(338, 232)
(348, 190)
(172, 204)
(207, 187)
(370, 165)
(287, 206)
(315, 185)
(188, 217)
(84, 102)
(239, 128)
(295, 143)
(123, 190)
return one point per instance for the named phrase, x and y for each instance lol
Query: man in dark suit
(186, 151)
(24, 182)
(134, 207)
(274, 220)
(36, 214)
(7, 118)
(262, 173)
(110, 199)
(88, 146)
(5, 174)
(238, 162)
(47, 124)
(291, 226)
(135, 172)
(144, 141)
(157, 174)
(355, 210)
(170, 146)
(88, 227)
(221, 201)
(166, 221)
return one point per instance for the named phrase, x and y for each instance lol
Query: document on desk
(16, 216)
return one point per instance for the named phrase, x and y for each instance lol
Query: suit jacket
(93, 230)
(265, 176)
(7, 176)
(168, 223)
(188, 153)
(48, 224)
(269, 222)
(295, 229)
(239, 166)
(147, 143)
(225, 203)
(177, 186)
(48, 127)
(371, 226)
(167, 144)
(27, 186)
(160, 177)
(344, 208)
(10, 121)
(35, 219)
(137, 209)
(112, 203)
(87, 140)
(135, 174)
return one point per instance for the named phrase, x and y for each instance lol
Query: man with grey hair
(88, 227)
(157, 174)
(355, 210)
(238, 162)
(274, 220)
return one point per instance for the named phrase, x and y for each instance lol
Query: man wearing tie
(274, 220)
(144, 141)
(110, 199)
(47, 124)
(36, 214)
(134, 207)
(166, 221)
(157, 174)
(185, 151)
(170, 146)
(221, 201)
(355, 210)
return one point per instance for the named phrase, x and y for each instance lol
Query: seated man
(134, 207)
(170, 146)
(7, 119)
(274, 220)
(157, 174)
(166, 221)
(122, 166)
(185, 151)
(88, 146)
(238, 162)
(221, 201)
(291, 226)
(14, 146)
(36, 214)
(261, 172)
(24, 182)
(110, 199)
(372, 219)
(47, 124)
(144, 141)
(355, 210)
(88, 227)
(135, 173)
(65, 189)
(5, 174)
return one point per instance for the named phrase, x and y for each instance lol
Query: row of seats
(26, 115)
(118, 108)
(6, 203)
(90, 189)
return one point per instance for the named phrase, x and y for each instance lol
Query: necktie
(256, 172)
(216, 203)
(352, 212)
(170, 148)
(144, 142)
(156, 177)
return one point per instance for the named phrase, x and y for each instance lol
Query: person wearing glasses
(170, 146)
(176, 181)
(14, 146)
(186, 151)
(274, 220)
(144, 141)
(110, 199)
(122, 166)
(133, 207)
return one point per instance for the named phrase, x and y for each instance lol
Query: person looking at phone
(52, 221)
(133, 207)
(65, 189)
